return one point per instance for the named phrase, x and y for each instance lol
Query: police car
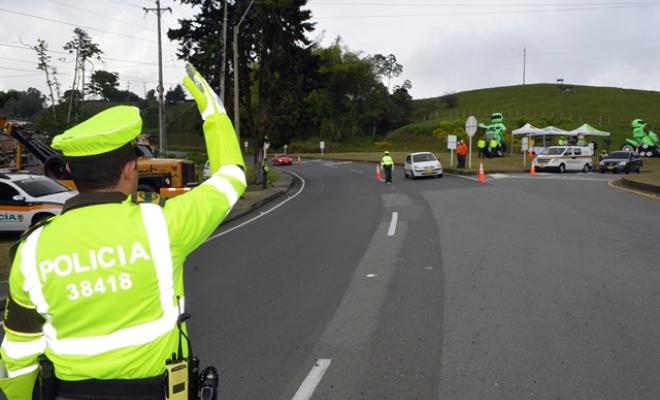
(27, 199)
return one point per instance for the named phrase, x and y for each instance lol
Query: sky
(444, 45)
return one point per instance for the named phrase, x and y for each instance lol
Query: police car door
(12, 211)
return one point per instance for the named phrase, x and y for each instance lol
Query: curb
(258, 204)
(645, 187)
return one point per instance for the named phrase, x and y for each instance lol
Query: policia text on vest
(96, 303)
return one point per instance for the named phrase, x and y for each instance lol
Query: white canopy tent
(588, 130)
(526, 130)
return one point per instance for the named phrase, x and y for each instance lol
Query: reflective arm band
(22, 371)
(22, 320)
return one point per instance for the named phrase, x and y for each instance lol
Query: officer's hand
(207, 101)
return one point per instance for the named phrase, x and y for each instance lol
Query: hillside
(567, 106)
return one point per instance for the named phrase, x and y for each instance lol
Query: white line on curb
(392, 230)
(313, 379)
(263, 212)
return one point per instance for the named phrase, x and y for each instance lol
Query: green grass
(610, 109)
(650, 174)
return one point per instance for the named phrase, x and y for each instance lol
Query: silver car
(422, 164)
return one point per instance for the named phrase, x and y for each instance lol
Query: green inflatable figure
(495, 136)
(647, 143)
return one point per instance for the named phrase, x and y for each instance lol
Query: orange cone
(482, 176)
(532, 171)
(378, 176)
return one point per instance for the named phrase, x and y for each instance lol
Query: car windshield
(423, 157)
(37, 187)
(618, 155)
(554, 151)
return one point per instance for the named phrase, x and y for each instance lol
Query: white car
(27, 199)
(565, 158)
(422, 164)
(206, 173)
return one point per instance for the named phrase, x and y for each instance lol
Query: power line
(74, 25)
(470, 13)
(494, 5)
(101, 15)
(103, 58)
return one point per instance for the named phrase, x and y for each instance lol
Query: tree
(175, 94)
(151, 95)
(387, 66)
(44, 59)
(19, 104)
(104, 84)
(450, 99)
(82, 46)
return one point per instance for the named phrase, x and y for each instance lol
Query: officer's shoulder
(147, 198)
(26, 233)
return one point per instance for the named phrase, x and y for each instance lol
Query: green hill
(565, 106)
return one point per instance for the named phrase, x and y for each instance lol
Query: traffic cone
(482, 176)
(532, 171)
(378, 176)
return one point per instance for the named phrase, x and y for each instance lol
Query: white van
(565, 158)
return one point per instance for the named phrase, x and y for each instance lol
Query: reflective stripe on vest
(22, 371)
(223, 186)
(159, 241)
(233, 171)
(24, 349)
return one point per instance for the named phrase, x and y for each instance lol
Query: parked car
(621, 161)
(27, 199)
(565, 158)
(206, 172)
(422, 164)
(281, 159)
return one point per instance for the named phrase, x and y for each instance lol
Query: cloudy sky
(443, 45)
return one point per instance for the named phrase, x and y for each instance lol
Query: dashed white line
(313, 379)
(392, 230)
(357, 171)
(263, 212)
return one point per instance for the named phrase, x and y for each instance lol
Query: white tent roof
(528, 129)
(552, 131)
(588, 130)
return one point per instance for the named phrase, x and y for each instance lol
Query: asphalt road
(516, 288)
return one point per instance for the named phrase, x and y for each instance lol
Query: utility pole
(224, 53)
(161, 105)
(524, 63)
(237, 117)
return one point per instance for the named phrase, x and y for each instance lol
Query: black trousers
(388, 173)
(461, 161)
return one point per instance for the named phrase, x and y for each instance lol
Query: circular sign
(471, 125)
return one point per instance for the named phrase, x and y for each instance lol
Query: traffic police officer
(99, 289)
(481, 144)
(387, 164)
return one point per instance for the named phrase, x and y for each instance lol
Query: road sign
(525, 144)
(322, 146)
(285, 146)
(451, 142)
(471, 125)
(245, 144)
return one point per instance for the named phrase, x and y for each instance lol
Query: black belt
(113, 389)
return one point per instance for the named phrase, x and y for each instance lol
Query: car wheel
(562, 168)
(627, 169)
(586, 168)
(439, 175)
(40, 217)
(602, 170)
(639, 169)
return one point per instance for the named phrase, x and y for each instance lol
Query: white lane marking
(313, 379)
(263, 212)
(371, 275)
(357, 171)
(463, 176)
(392, 230)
